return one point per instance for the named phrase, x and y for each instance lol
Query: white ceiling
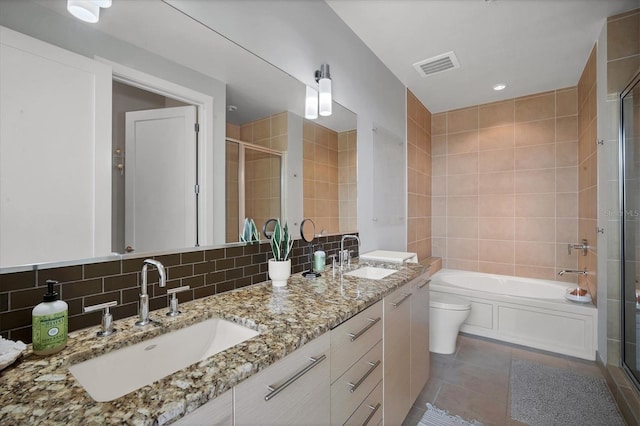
(530, 45)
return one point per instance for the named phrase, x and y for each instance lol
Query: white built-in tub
(524, 311)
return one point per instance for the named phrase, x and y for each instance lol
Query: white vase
(279, 272)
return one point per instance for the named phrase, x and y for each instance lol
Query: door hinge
(196, 189)
(197, 127)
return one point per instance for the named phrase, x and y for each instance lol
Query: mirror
(156, 47)
(268, 227)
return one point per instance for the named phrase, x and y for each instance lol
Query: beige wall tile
(496, 228)
(439, 166)
(462, 119)
(439, 145)
(462, 248)
(496, 251)
(536, 107)
(496, 205)
(567, 128)
(439, 226)
(622, 37)
(495, 161)
(496, 268)
(534, 254)
(566, 154)
(497, 137)
(567, 102)
(567, 204)
(566, 179)
(543, 273)
(535, 157)
(535, 229)
(535, 181)
(567, 230)
(462, 206)
(439, 206)
(462, 185)
(496, 183)
(535, 132)
(496, 114)
(439, 124)
(620, 72)
(439, 186)
(462, 164)
(536, 205)
(461, 264)
(462, 227)
(461, 142)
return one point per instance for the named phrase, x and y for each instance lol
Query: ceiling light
(87, 10)
(499, 86)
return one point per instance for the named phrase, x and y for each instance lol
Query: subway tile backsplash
(207, 272)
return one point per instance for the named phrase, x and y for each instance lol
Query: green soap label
(49, 331)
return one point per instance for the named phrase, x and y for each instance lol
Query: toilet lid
(448, 301)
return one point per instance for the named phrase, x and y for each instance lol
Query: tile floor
(474, 381)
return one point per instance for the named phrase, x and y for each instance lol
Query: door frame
(204, 110)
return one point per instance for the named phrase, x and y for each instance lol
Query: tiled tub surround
(207, 272)
(41, 390)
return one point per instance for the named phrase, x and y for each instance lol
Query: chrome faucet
(573, 271)
(342, 253)
(143, 308)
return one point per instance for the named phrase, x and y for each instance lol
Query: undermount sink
(117, 373)
(371, 272)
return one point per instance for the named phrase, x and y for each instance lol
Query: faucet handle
(107, 318)
(173, 303)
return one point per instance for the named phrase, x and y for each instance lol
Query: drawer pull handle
(372, 322)
(355, 386)
(276, 390)
(399, 302)
(374, 409)
(421, 286)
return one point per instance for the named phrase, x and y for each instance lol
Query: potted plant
(280, 265)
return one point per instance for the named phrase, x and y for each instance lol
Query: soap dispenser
(50, 323)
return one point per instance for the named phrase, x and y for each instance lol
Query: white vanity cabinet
(356, 368)
(294, 390)
(397, 344)
(419, 334)
(217, 412)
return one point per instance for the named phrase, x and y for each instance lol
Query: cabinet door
(397, 324)
(294, 390)
(419, 334)
(217, 412)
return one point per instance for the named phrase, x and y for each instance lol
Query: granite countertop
(41, 390)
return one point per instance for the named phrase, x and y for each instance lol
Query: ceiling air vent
(444, 62)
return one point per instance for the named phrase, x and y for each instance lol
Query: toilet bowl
(446, 315)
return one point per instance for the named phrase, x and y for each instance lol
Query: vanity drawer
(348, 392)
(353, 338)
(369, 413)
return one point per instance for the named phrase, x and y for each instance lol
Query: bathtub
(523, 311)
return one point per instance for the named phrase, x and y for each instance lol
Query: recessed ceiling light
(499, 86)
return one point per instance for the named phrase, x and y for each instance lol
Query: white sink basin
(117, 373)
(371, 272)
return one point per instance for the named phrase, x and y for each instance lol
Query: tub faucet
(143, 308)
(573, 271)
(342, 254)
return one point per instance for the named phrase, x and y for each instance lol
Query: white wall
(299, 36)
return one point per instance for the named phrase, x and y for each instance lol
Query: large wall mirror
(194, 194)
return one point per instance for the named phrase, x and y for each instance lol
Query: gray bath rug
(437, 417)
(545, 396)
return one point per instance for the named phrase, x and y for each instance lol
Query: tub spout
(573, 271)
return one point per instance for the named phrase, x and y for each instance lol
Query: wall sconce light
(319, 100)
(87, 10)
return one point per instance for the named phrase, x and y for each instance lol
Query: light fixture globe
(85, 10)
(323, 77)
(311, 104)
(103, 3)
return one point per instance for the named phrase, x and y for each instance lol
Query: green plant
(281, 242)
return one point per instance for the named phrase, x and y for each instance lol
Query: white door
(55, 153)
(160, 179)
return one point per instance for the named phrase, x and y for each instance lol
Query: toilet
(446, 315)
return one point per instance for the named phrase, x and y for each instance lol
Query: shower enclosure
(630, 227)
(254, 185)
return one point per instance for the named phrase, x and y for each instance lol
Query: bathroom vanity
(320, 345)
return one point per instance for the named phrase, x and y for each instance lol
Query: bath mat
(542, 396)
(437, 417)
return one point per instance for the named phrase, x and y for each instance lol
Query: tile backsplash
(207, 272)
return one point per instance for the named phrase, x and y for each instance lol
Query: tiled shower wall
(207, 272)
(505, 185)
(418, 177)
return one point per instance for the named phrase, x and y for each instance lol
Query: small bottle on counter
(50, 323)
(319, 261)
